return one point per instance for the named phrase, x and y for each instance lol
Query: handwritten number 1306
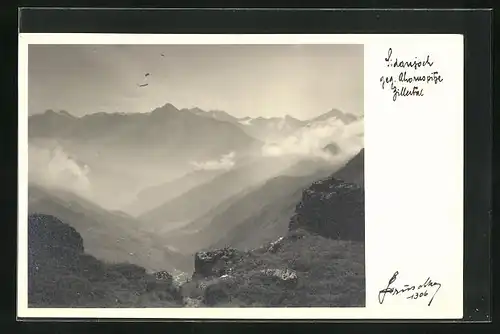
(417, 295)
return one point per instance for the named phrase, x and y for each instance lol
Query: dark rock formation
(163, 276)
(214, 263)
(332, 208)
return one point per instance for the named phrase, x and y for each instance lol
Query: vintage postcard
(240, 176)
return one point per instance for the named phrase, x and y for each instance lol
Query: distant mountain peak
(335, 113)
(168, 107)
(216, 114)
(220, 113)
(52, 113)
(196, 110)
(49, 112)
(65, 113)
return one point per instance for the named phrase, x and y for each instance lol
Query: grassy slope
(330, 274)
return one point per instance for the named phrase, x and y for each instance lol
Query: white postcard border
(431, 242)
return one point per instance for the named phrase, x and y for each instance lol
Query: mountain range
(116, 148)
(169, 128)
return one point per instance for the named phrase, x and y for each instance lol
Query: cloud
(310, 141)
(53, 167)
(225, 162)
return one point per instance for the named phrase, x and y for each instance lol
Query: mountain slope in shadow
(113, 237)
(238, 227)
(272, 217)
(215, 224)
(354, 170)
(198, 201)
(152, 197)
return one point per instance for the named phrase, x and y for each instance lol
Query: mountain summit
(346, 118)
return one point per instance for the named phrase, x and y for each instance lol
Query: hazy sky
(244, 80)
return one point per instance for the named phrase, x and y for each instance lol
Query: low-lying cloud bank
(226, 162)
(55, 168)
(311, 141)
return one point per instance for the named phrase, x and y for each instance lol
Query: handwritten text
(426, 289)
(410, 79)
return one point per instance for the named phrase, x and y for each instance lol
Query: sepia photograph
(195, 176)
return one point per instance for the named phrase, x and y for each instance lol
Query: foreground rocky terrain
(319, 261)
(61, 274)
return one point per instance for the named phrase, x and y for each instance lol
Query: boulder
(215, 263)
(332, 208)
(285, 275)
(163, 276)
(274, 246)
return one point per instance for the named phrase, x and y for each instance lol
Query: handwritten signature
(410, 291)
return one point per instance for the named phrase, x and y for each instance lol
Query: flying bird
(143, 85)
(147, 75)
(163, 55)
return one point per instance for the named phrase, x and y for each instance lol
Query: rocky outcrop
(274, 246)
(215, 263)
(332, 208)
(286, 275)
(163, 276)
